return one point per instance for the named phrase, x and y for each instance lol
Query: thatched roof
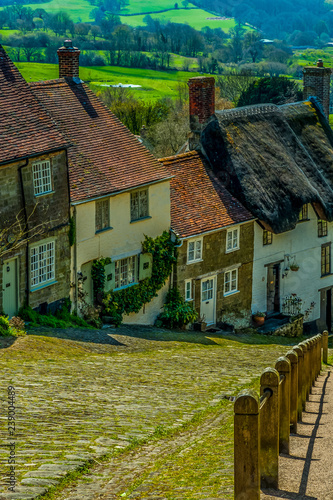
(274, 159)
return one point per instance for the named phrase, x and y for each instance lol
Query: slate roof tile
(199, 202)
(104, 156)
(25, 128)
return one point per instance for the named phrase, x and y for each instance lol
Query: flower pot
(259, 320)
(294, 268)
(200, 327)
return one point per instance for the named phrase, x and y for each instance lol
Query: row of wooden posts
(262, 425)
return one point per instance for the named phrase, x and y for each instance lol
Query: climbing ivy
(133, 298)
(98, 276)
(71, 231)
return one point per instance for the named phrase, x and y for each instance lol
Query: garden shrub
(177, 313)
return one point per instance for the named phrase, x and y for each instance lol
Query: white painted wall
(302, 243)
(124, 238)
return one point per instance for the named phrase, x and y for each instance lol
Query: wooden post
(313, 361)
(325, 346)
(246, 446)
(300, 369)
(304, 348)
(283, 366)
(293, 358)
(307, 369)
(319, 353)
(269, 430)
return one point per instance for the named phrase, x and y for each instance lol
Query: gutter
(182, 238)
(33, 155)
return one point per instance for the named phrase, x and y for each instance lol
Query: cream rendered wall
(124, 238)
(304, 244)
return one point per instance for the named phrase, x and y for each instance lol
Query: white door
(10, 287)
(208, 299)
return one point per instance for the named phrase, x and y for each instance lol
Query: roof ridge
(47, 82)
(254, 109)
(176, 157)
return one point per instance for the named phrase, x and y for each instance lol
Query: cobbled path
(114, 387)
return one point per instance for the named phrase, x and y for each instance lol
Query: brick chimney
(316, 82)
(68, 60)
(202, 105)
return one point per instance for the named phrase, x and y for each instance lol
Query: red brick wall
(316, 81)
(68, 62)
(202, 99)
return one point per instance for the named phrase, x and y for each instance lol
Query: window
(126, 271)
(41, 173)
(42, 264)
(267, 237)
(194, 250)
(102, 214)
(322, 228)
(303, 215)
(188, 289)
(232, 240)
(139, 204)
(326, 259)
(230, 281)
(207, 290)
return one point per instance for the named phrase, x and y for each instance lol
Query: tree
(277, 90)
(234, 84)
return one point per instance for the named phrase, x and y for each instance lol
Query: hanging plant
(98, 276)
(294, 267)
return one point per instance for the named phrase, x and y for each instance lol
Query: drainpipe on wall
(75, 265)
(26, 231)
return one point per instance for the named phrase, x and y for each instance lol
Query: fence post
(293, 358)
(304, 348)
(319, 353)
(325, 346)
(307, 369)
(283, 366)
(246, 446)
(300, 358)
(269, 430)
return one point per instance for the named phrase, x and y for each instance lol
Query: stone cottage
(34, 199)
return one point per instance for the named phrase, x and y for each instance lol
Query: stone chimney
(316, 82)
(202, 105)
(68, 60)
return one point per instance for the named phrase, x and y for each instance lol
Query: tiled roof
(25, 128)
(199, 202)
(104, 156)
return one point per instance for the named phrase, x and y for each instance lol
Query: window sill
(231, 293)
(125, 286)
(44, 194)
(232, 250)
(303, 220)
(188, 300)
(194, 261)
(138, 220)
(44, 285)
(103, 230)
(326, 275)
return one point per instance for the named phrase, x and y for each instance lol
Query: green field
(77, 9)
(154, 84)
(308, 57)
(136, 6)
(196, 18)
(6, 33)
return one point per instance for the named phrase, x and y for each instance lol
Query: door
(10, 287)
(208, 300)
(273, 288)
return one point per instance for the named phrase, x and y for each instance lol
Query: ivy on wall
(133, 298)
(71, 231)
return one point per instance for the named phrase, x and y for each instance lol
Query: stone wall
(48, 217)
(234, 308)
(316, 81)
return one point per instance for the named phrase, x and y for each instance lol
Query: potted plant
(294, 267)
(259, 318)
(200, 324)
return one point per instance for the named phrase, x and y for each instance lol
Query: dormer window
(303, 215)
(41, 173)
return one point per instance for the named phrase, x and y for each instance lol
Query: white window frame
(123, 273)
(232, 282)
(42, 264)
(188, 290)
(99, 203)
(42, 177)
(139, 194)
(197, 250)
(233, 238)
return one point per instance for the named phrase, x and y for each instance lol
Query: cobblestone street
(83, 394)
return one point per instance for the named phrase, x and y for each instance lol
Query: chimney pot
(68, 43)
(320, 63)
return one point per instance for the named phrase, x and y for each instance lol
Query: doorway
(10, 287)
(208, 299)
(273, 288)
